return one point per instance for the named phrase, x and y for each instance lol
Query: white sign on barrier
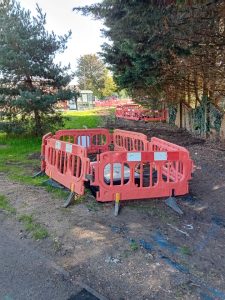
(134, 156)
(58, 145)
(69, 148)
(160, 156)
(84, 141)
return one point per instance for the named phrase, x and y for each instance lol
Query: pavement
(27, 273)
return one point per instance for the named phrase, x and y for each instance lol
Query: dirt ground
(148, 251)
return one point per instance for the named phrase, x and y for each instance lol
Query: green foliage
(93, 75)
(185, 250)
(157, 48)
(199, 118)
(133, 245)
(215, 117)
(172, 114)
(109, 85)
(30, 82)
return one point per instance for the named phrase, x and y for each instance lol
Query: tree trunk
(207, 107)
(197, 100)
(38, 130)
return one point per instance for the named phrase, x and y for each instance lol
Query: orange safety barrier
(129, 141)
(43, 145)
(66, 163)
(136, 169)
(136, 112)
(95, 140)
(154, 115)
(129, 111)
(112, 102)
(141, 174)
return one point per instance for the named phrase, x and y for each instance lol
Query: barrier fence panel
(119, 111)
(67, 164)
(94, 140)
(157, 144)
(154, 115)
(136, 112)
(43, 145)
(129, 111)
(130, 141)
(140, 175)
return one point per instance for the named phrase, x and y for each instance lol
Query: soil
(148, 251)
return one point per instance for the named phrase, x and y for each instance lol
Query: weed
(6, 206)
(37, 231)
(126, 253)
(185, 250)
(93, 206)
(79, 199)
(57, 246)
(133, 245)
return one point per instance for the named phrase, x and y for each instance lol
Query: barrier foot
(172, 203)
(53, 183)
(117, 205)
(69, 199)
(40, 173)
(117, 208)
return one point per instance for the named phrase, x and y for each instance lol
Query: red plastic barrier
(136, 112)
(112, 103)
(43, 145)
(141, 175)
(129, 111)
(129, 141)
(95, 140)
(154, 115)
(67, 164)
(159, 145)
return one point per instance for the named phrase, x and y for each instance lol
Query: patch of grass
(14, 158)
(80, 119)
(6, 206)
(134, 245)
(37, 231)
(79, 199)
(94, 206)
(185, 250)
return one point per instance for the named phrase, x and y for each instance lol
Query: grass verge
(19, 156)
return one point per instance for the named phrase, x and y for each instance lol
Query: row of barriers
(135, 169)
(112, 102)
(136, 112)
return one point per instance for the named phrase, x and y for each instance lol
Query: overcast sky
(86, 35)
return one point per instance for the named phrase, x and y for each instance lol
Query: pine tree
(165, 49)
(31, 83)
